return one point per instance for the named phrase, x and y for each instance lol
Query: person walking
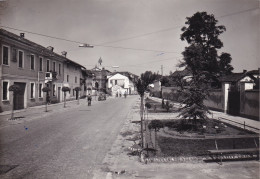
(89, 99)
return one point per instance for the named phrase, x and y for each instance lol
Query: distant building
(100, 77)
(121, 83)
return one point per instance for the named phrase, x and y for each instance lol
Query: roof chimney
(244, 71)
(22, 35)
(64, 53)
(50, 48)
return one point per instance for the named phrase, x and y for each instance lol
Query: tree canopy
(142, 83)
(201, 56)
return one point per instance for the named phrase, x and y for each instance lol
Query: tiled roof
(125, 73)
(234, 77)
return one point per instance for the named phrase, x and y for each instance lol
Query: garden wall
(250, 104)
(215, 100)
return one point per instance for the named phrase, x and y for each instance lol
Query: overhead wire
(78, 42)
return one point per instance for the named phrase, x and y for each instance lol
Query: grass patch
(189, 147)
(156, 107)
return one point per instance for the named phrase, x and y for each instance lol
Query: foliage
(14, 88)
(168, 106)
(201, 56)
(65, 89)
(142, 83)
(165, 81)
(202, 61)
(77, 89)
(148, 105)
(46, 89)
(156, 125)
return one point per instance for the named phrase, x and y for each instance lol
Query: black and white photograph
(129, 89)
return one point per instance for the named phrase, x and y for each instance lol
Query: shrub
(148, 105)
(83, 97)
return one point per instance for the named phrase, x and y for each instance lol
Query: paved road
(69, 144)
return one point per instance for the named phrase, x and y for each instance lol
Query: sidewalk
(36, 112)
(219, 115)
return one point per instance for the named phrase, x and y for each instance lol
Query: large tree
(201, 59)
(202, 35)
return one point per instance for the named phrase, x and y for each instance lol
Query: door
(19, 97)
(234, 102)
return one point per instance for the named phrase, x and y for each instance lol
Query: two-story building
(26, 64)
(31, 67)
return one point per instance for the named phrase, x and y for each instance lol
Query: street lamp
(86, 45)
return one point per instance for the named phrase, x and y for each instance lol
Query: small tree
(142, 84)
(46, 90)
(15, 89)
(65, 89)
(156, 125)
(77, 89)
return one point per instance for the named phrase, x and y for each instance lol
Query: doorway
(19, 97)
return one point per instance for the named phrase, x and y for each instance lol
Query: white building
(121, 83)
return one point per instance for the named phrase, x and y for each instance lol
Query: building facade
(31, 67)
(120, 83)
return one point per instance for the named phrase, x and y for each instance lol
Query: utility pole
(162, 69)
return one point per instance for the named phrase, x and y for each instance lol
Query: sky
(135, 35)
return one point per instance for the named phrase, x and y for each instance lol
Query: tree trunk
(12, 114)
(155, 139)
(150, 130)
(142, 111)
(64, 99)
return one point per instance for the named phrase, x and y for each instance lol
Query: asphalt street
(67, 144)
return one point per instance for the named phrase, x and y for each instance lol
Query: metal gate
(233, 102)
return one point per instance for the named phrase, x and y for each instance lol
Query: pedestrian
(89, 99)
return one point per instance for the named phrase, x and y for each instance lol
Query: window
(76, 79)
(40, 90)
(67, 78)
(115, 82)
(5, 90)
(48, 65)
(6, 55)
(41, 63)
(53, 90)
(53, 66)
(32, 95)
(32, 62)
(59, 68)
(20, 59)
